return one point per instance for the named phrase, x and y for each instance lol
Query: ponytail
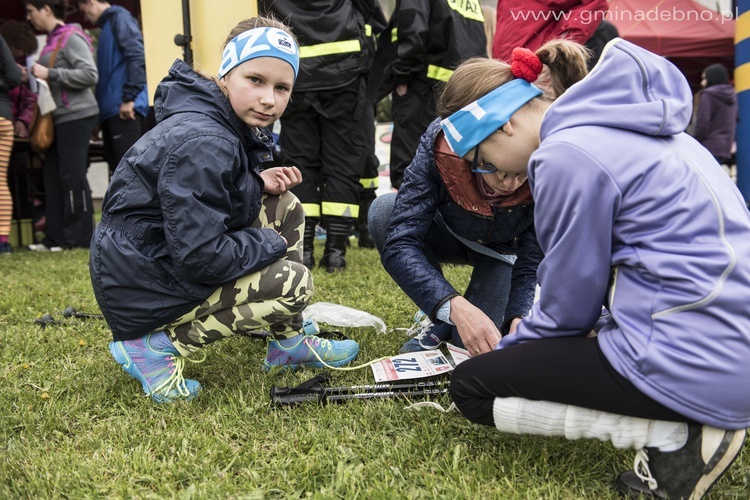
(566, 61)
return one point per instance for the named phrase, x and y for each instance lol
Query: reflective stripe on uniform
(311, 209)
(470, 9)
(370, 183)
(340, 209)
(438, 73)
(394, 35)
(368, 30)
(327, 49)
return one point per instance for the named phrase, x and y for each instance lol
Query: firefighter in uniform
(424, 42)
(370, 179)
(322, 129)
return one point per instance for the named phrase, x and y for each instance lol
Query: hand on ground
(477, 331)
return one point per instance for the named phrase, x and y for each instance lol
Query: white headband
(260, 42)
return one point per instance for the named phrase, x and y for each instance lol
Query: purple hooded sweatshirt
(634, 214)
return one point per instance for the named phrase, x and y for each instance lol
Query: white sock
(544, 418)
(667, 436)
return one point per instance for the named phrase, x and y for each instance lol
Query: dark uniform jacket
(332, 37)
(175, 220)
(425, 193)
(424, 41)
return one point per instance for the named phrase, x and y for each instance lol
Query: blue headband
(259, 42)
(475, 122)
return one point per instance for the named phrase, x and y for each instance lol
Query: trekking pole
(71, 312)
(313, 390)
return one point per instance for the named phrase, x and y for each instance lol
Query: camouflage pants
(272, 298)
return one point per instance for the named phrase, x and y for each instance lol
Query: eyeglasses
(484, 168)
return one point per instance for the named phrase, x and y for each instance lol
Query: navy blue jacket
(121, 63)
(423, 195)
(176, 217)
(424, 41)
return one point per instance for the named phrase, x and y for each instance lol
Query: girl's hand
(514, 325)
(282, 237)
(20, 130)
(24, 73)
(477, 331)
(40, 71)
(279, 180)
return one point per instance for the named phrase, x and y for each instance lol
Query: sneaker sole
(312, 364)
(730, 455)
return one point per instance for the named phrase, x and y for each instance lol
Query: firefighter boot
(337, 235)
(308, 259)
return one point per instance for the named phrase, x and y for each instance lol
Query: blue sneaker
(427, 335)
(309, 351)
(157, 365)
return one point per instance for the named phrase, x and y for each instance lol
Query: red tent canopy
(674, 28)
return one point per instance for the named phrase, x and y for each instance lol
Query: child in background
(10, 77)
(196, 243)
(632, 214)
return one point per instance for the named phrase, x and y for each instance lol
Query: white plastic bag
(338, 315)
(44, 99)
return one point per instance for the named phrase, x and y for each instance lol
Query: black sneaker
(687, 473)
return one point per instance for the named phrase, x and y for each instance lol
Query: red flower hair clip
(525, 64)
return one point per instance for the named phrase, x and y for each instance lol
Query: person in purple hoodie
(631, 214)
(716, 121)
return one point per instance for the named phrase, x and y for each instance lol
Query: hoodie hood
(631, 89)
(185, 91)
(723, 92)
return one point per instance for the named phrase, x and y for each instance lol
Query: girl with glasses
(460, 209)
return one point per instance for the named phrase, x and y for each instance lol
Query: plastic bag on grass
(338, 315)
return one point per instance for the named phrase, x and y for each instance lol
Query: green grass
(74, 425)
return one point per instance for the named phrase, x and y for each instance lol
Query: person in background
(605, 32)
(422, 44)
(323, 129)
(490, 25)
(370, 179)
(67, 64)
(716, 118)
(196, 243)
(121, 90)
(532, 23)
(23, 45)
(10, 77)
(632, 214)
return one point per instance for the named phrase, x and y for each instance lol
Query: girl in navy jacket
(196, 243)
